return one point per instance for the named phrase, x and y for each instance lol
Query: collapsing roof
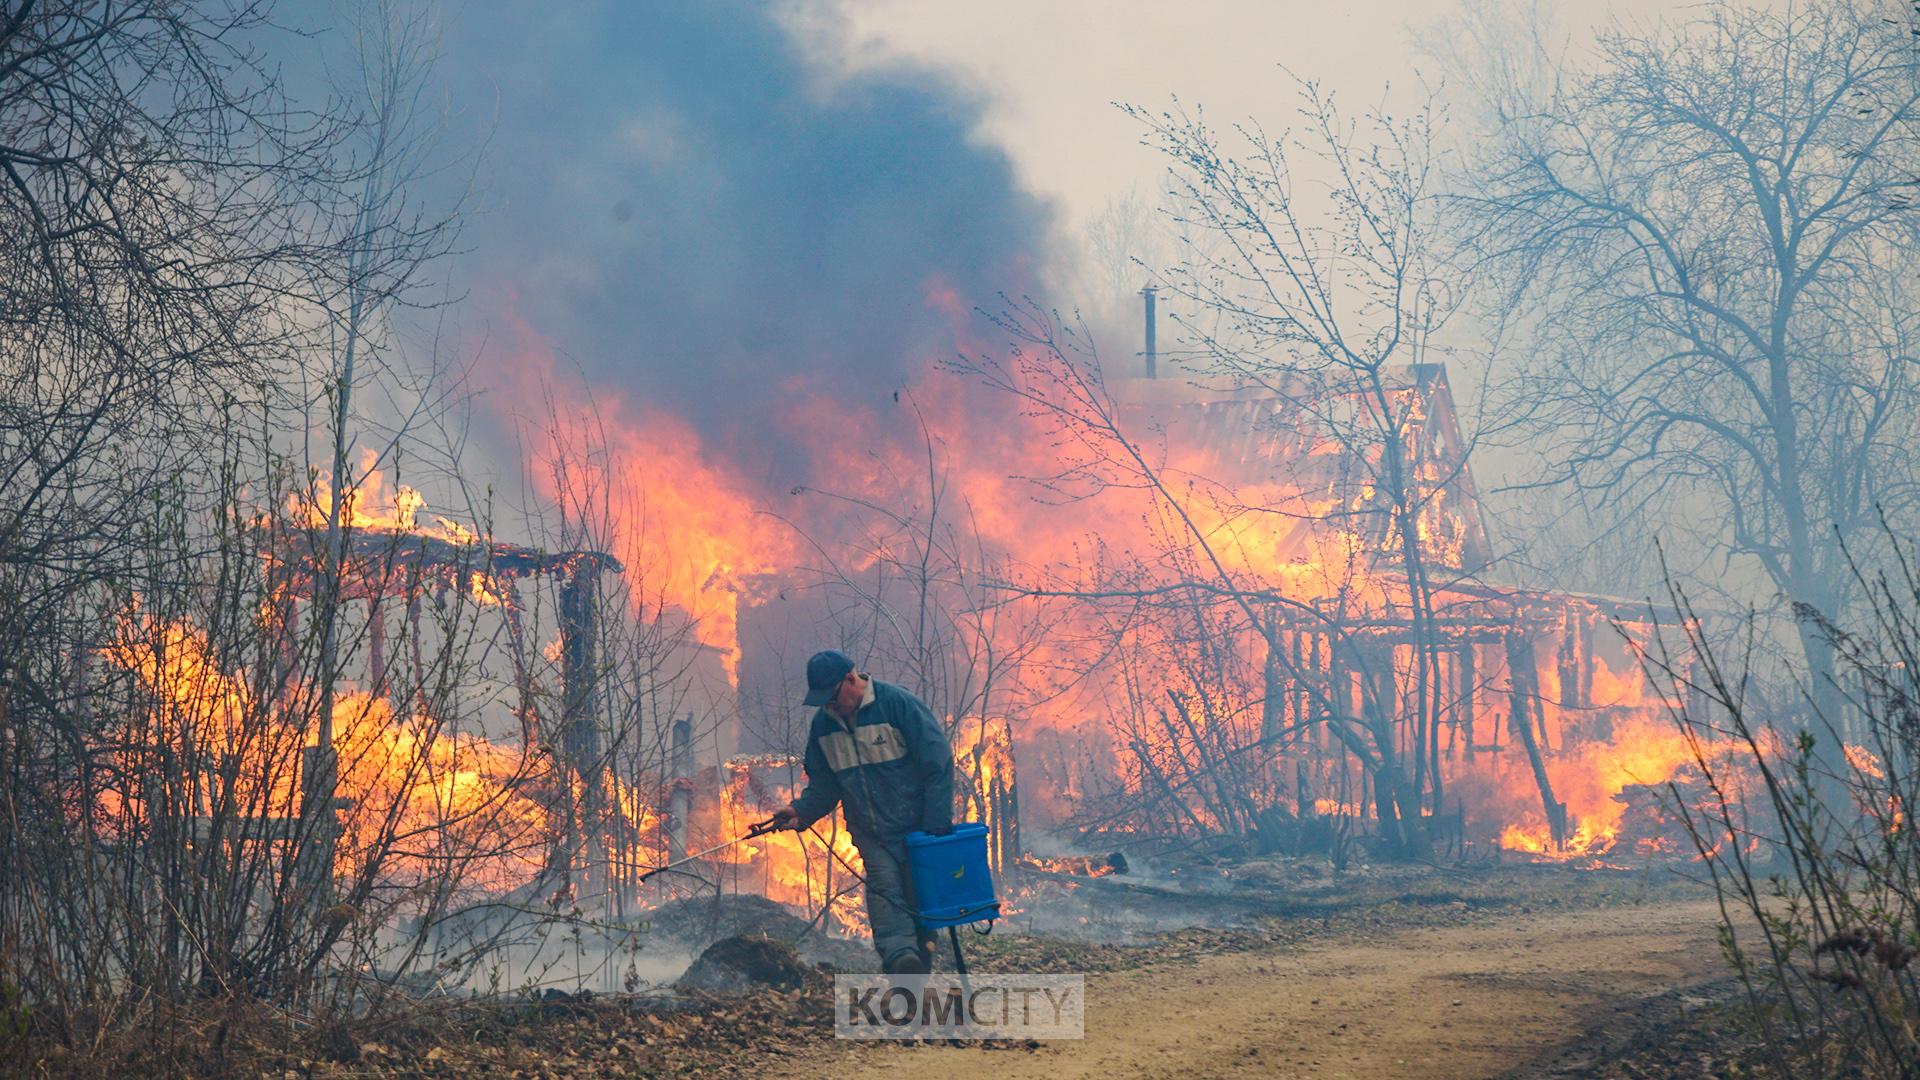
(391, 562)
(1317, 442)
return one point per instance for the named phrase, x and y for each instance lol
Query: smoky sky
(670, 196)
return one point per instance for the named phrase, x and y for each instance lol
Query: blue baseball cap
(825, 670)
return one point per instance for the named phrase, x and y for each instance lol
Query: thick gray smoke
(695, 220)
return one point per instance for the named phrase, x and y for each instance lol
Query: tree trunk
(1525, 704)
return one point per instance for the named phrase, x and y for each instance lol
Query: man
(877, 751)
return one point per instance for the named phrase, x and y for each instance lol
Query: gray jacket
(891, 768)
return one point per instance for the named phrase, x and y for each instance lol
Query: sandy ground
(1469, 1001)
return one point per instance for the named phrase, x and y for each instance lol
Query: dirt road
(1454, 1002)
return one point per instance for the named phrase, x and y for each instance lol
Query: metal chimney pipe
(1152, 353)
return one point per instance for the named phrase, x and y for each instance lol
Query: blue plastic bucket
(952, 884)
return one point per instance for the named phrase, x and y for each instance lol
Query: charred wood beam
(524, 706)
(1341, 723)
(1397, 787)
(1583, 662)
(1431, 710)
(1377, 708)
(376, 648)
(579, 664)
(1273, 703)
(1002, 803)
(388, 562)
(580, 704)
(1459, 605)
(1464, 677)
(320, 811)
(417, 653)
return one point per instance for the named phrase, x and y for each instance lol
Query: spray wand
(758, 830)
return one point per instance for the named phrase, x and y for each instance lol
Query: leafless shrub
(228, 771)
(1818, 873)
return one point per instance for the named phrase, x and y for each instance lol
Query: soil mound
(689, 926)
(700, 922)
(737, 965)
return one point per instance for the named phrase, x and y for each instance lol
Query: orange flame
(686, 525)
(417, 799)
(1283, 508)
(1645, 751)
(368, 504)
(794, 868)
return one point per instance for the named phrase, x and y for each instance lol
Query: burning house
(417, 765)
(1333, 685)
(1395, 681)
(1320, 683)
(392, 564)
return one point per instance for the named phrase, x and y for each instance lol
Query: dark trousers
(890, 905)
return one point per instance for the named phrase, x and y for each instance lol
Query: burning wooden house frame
(1480, 712)
(1402, 686)
(1391, 683)
(394, 562)
(542, 818)
(1534, 717)
(387, 788)
(284, 757)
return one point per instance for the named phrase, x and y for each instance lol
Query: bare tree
(910, 582)
(150, 170)
(1712, 229)
(1325, 305)
(147, 172)
(382, 238)
(185, 246)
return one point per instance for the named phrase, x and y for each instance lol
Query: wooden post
(1465, 678)
(1568, 655)
(1430, 708)
(580, 711)
(313, 862)
(1273, 706)
(1273, 718)
(285, 611)
(1699, 699)
(1302, 708)
(416, 651)
(1583, 668)
(377, 647)
(1379, 710)
(999, 805)
(1321, 662)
